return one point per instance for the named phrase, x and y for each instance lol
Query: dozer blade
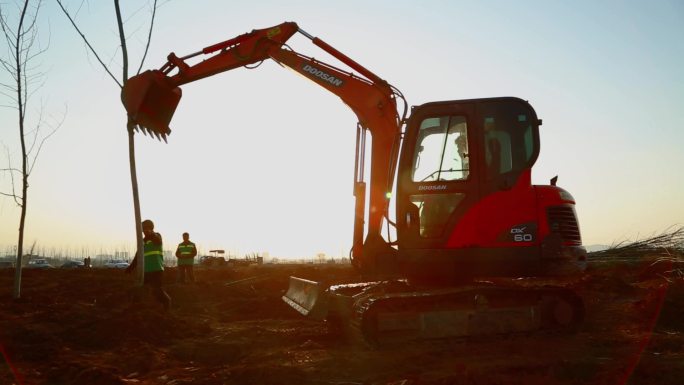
(307, 297)
(151, 102)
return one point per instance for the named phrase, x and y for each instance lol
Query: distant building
(122, 255)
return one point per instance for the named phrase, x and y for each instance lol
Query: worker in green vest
(153, 263)
(186, 253)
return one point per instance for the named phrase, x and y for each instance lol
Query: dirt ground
(85, 327)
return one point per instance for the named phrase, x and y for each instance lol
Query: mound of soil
(95, 326)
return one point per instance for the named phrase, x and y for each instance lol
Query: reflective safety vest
(185, 250)
(154, 257)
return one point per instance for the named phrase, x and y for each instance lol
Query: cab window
(509, 142)
(441, 152)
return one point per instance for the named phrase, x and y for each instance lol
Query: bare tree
(131, 127)
(23, 49)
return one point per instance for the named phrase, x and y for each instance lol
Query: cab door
(437, 182)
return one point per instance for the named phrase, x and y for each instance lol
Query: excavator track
(381, 316)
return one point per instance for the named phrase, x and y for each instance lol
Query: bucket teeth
(154, 134)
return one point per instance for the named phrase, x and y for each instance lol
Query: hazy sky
(262, 160)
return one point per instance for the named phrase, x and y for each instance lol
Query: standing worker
(153, 263)
(186, 253)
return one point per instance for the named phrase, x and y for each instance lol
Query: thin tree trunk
(24, 198)
(140, 270)
(24, 170)
(131, 154)
(16, 294)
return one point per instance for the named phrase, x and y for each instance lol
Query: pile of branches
(666, 246)
(665, 250)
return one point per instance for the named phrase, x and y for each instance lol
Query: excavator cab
(466, 206)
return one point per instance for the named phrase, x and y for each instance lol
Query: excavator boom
(151, 98)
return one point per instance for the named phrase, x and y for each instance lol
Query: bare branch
(9, 34)
(31, 28)
(132, 15)
(122, 37)
(45, 138)
(8, 67)
(18, 68)
(73, 23)
(10, 93)
(35, 131)
(14, 191)
(36, 54)
(149, 36)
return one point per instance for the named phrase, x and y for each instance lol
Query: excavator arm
(151, 99)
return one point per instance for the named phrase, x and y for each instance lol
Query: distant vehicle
(39, 264)
(213, 260)
(73, 265)
(208, 260)
(116, 264)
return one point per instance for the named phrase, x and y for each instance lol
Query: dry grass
(666, 248)
(669, 244)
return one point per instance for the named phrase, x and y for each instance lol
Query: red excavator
(468, 224)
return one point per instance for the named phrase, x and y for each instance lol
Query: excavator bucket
(151, 101)
(307, 297)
